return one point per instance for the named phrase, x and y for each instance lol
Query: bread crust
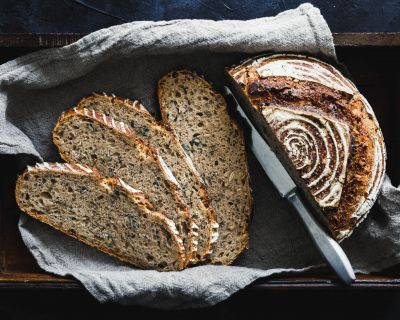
(124, 131)
(244, 241)
(309, 85)
(137, 107)
(136, 196)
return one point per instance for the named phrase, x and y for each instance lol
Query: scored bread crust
(136, 108)
(124, 131)
(243, 242)
(107, 183)
(308, 85)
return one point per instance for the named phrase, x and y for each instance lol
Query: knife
(327, 246)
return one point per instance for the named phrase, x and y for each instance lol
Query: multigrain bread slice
(200, 119)
(93, 139)
(165, 142)
(103, 213)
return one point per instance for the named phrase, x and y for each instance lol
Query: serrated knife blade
(280, 178)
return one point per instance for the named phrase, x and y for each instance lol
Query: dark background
(85, 16)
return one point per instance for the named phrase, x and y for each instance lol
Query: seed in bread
(200, 119)
(103, 213)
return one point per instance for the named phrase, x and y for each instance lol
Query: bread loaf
(200, 119)
(322, 128)
(103, 213)
(165, 142)
(87, 137)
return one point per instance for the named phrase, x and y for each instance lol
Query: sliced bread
(87, 137)
(165, 142)
(200, 119)
(103, 213)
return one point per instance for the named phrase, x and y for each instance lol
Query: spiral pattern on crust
(318, 147)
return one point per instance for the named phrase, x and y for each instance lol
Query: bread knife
(280, 178)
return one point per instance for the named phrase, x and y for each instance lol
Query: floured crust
(137, 109)
(307, 85)
(124, 131)
(111, 183)
(318, 147)
(65, 167)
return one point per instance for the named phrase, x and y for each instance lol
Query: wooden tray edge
(290, 282)
(52, 40)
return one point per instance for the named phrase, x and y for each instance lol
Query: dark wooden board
(372, 59)
(49, 40)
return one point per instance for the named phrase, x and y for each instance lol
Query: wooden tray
(372, 59)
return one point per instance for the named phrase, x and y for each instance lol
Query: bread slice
(93, 139)
(103, 213)
(165, 142)
(200, 119)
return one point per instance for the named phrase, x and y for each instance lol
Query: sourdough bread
(87, 137)
(324, 130)
(200, 119)
(165, 142)
(103, 213)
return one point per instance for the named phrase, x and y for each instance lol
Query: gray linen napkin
(127, 60)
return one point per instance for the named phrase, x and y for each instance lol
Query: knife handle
(328, 247)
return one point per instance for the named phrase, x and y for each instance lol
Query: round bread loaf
(322, 128)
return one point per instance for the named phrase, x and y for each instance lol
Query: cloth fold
(127, 60)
